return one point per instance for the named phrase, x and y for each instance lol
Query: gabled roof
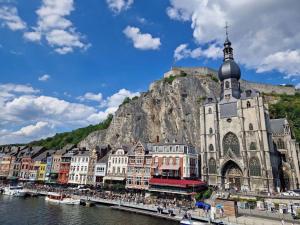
(43, 156)
(277, 125)
(104, 159)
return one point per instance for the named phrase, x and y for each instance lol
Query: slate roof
(43, 156)
(277, 125)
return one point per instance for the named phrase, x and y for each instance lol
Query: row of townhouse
(170, 167)
(161, 167)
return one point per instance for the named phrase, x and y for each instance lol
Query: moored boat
(17, 191)
(61, 199)
(190, 222)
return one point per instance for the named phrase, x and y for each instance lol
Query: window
(210, 130)
(231, 143)
(227, 84)
(248, 104)
(211, 148)
(280, 144)
(252, 146)
(248, 93)
(212, 167)
(250, 126)
(209, 111)
(254, 167)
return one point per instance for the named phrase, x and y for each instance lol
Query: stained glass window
(231, 142)
(254, 167)
(212, 166)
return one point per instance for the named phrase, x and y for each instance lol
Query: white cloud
(57, 30)
(119, 5)
(259, 30)
(45, 77)
(287, 62)
(25, 115)
(91, 97)
(182, 51)
(140, 40)
(10, 18)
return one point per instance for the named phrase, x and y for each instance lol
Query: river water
(35, 211)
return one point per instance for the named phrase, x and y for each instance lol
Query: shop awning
(176, 182)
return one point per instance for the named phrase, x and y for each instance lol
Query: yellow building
(41, 171)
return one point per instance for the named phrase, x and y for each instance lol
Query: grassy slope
(73, 137)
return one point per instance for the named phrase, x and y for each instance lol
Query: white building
(117, 166)
(100, 170)
(79, 168)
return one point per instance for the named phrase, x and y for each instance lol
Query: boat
(61, 199)
(190, 222)
(17, 191)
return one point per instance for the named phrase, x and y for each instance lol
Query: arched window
(252, 146)
(254, 167)
(250, 126)
(248, 104)
(280, 144)
(210, 130)
(227, 84)
(212, 166)
(209, 111)
(211, 148)
(231, 142)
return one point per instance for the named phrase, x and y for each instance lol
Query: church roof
(277, 125)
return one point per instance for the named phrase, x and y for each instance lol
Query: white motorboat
(190, 222)
(17, 191)
(61, 199)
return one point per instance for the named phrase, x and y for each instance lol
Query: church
(241, 147)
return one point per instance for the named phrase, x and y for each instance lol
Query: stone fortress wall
(205, 71)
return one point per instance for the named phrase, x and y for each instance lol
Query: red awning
(176, 183)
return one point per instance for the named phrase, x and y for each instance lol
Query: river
(35, 211)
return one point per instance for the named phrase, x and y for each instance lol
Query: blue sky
(66, 63)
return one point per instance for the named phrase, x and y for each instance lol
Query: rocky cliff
(170, 109)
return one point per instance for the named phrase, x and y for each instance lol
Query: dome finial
(226, 29)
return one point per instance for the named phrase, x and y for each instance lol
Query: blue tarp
(202, 205)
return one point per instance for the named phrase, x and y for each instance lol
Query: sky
(65, 64)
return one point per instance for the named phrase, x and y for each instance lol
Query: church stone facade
(239, 146)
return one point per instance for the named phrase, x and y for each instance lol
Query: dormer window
(248, 93)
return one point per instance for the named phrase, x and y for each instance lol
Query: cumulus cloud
(90, 97)
(26, 115)
(58, 31)
(182, 51)
(10, 18)
(118, 6)
(140, 40)
(45, 77)
(260, 31)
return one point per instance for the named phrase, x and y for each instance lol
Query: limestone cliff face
(167, 110)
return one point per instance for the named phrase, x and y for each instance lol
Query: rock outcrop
(170, 109)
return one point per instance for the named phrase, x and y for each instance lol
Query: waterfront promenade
(120, 202)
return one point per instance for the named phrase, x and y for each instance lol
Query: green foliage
(215, 79)
(200, 99)
(207, 194)
(171, 78)
(73, 137)
(135, 98)
(199, 196)
(128, 100)
(288, 106)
